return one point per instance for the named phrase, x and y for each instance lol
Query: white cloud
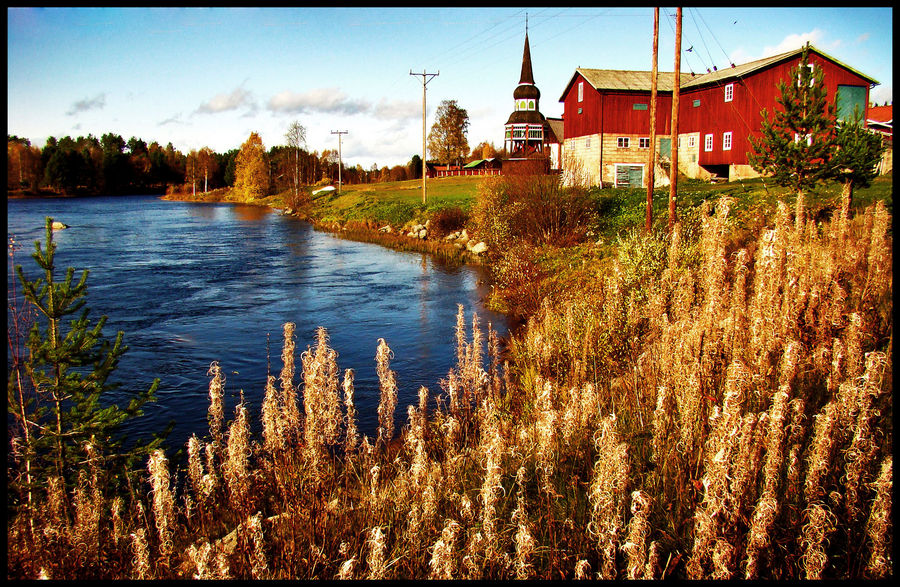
(398, 110)
(176, 119)
(795, 41)
(238, 98)
(95, 103)
(862, 38)
(881, 94)
(815, 37)
(740, 55)
(323, 100)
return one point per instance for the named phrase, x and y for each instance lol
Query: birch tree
(296, 137)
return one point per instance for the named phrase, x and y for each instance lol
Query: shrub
(517, 279)
(536, 209)
(447, 220)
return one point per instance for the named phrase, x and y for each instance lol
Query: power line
(426, 77)
(340, 156)
(719, 84)
(510, 22)
(451, 49)
(570, 29)
(716, 40)
(711, 60)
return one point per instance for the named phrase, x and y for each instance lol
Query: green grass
(394, 203)
(619, 210)
(754, 202)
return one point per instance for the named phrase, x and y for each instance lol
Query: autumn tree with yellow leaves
(251, 171)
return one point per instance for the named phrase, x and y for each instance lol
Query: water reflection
(194, 283)
(203, 211)
(248, 213)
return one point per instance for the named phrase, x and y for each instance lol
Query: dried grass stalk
(388, 402)
(879, 526)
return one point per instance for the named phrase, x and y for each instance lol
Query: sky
(208, 77)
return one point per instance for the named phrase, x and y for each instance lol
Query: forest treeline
(111, 165)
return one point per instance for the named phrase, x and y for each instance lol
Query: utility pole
(676, 88)
(651, 164)
(340, 157)
(426, 77)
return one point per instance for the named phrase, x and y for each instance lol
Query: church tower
(527, 131)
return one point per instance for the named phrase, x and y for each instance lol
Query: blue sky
(208, 77)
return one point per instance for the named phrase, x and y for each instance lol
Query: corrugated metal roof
(618, 79)
(624, 80)
(745, 68)
(556, 127)
(881, 113)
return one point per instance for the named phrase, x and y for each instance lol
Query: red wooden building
(607, 117)
(880, 119)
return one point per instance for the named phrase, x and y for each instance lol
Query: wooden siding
(742, 116)
(612, 113)
(620, 117)
(587, 121)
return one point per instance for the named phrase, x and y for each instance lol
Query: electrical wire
(479, 33)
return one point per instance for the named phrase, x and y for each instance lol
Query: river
(193, 283)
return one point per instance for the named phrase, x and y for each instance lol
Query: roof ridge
(736, 70)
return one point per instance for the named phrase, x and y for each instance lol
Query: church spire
(527, 77)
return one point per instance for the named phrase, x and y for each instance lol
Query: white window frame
(808, 139)
(581, 91)
(679, 142)
(812, 70)
(692, 142)
(644, 143)
(587, 142)
(729, 92)
(623, 142)
(708, 143)
(726, 141)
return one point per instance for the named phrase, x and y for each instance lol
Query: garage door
(629, 176)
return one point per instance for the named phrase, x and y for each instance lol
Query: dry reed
(388, 402)
(742, 412)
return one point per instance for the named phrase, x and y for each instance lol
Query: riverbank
(392, 229)
(660, 375)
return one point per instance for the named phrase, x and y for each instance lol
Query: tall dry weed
(388, 402)
(608, 493)
(236, 469)
(879, 526)
(163, 503)
(290, 410)
(443, 556)
(638, 531)
(524, 540)
(216, 411)
(351, 437)
(375, 558)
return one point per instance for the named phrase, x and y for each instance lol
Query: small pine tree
(798, 142)
(69, 370)
(856, 156)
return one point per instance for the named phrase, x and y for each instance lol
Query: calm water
(194, 283)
